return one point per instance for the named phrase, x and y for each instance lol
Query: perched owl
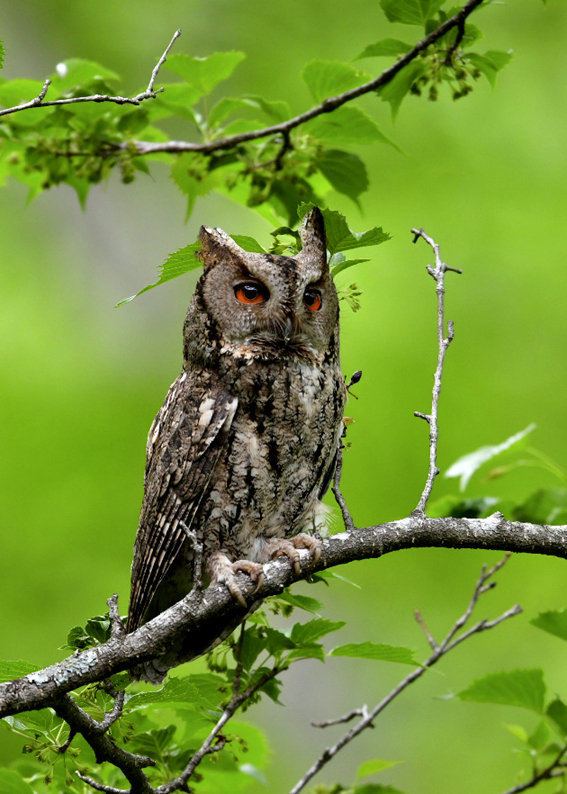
(245, 444)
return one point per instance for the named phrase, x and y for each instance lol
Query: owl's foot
(223, 571)
(278, 547)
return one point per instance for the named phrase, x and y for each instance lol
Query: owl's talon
(223, 571)
(284, 547)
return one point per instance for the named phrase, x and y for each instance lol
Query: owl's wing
(184, 444)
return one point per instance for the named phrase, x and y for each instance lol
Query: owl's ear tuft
(313, 237)
(217, 246)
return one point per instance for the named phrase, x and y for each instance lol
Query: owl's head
(262, 305)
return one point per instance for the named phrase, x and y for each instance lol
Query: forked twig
(149, 93)
(451, 641)
(437, 273)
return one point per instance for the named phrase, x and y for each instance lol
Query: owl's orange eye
(312, 298)
(251, 293)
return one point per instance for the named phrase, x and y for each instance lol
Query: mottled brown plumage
(244, 445)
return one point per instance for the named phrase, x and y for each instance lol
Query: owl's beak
(288, 330)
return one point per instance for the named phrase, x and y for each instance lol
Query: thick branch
(327, 106)
(200, 609)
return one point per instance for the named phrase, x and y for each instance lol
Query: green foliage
(522, 688)
(377, 651)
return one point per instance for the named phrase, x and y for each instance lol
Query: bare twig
(347, 518)
(438, 274)
(440, 650)
(361, 712)
(554, 770)
(117, 627)
(149, 93)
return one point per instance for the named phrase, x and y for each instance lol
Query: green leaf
(329, 78)
(490, 63)
(301, 602)
(410, 12)
(278, 110)
(521, 688)
(227, 105)
(394, 91)
(377, 651)
(376, 788)
(308, 633)
(177, 264)
(339, 262)
(557, 712)
(12, 783)
(374, 766)
(199, 690)
(16, 669)
(554, 622)
(314, 651)
(466, 466)
(346, 125)
(341, 238)
(545, 506)
(76, 72)
(1, 54)
(540, 736)
(345, 171)
(204, 74)
(389, 47)
(248, 243)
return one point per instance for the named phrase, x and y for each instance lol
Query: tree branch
(554, 770)
(149, 93)
(438, 274)
(201, 609)
(439, 650)
(327, 106)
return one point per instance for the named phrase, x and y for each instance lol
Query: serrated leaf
(377, 651)
(490, 63)
(12, 783)
(346, 125)
(345, 264)
(341, 238)
(76, 72)
(308, 633)
(204, 74)
(15, 669)
(466, 466)
(554, 622)
(301, 602)
(329, 78)
(395, 91)
(248, 243)
(314, 651)
(557, 711)
(227, 105)
(374, 766)
(410, 12)
(520, 688)
(199, 690)
(345, 171)
(389, 47)
(176, 264)
(278, 110)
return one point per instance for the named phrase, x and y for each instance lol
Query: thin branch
(554, 770)
(347, 518)
(361, 712)
(438, 274)
(117, 626)
(198, 611)
(149, 93)
(327, 106)
(447, 645)
(214, 742)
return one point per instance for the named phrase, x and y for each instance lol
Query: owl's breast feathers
(233, 470)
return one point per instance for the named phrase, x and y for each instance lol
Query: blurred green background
(81, 380)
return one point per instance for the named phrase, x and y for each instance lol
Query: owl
(245, 444)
